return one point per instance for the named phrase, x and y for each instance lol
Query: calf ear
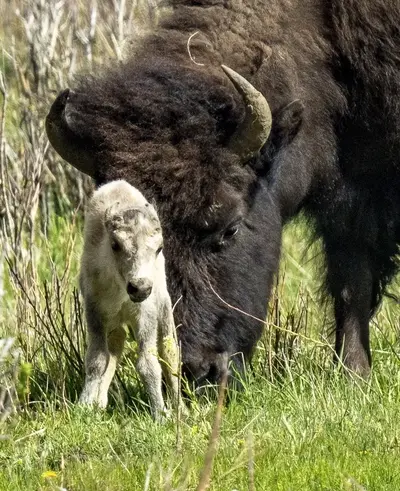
(287, 123)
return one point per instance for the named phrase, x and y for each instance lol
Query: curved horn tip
(59, 104)
(232, 74)
(256, 126)
(240, 82)
(64, 95)
(67, 143)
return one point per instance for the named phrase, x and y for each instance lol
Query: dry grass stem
(206, 471)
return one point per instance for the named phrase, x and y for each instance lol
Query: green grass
(299, 422)
(314, 430)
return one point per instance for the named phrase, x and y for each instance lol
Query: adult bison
(196, 138)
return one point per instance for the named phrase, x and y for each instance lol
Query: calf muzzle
(139, 290)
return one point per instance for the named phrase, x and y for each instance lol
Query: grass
(314, 430)
(299, 423)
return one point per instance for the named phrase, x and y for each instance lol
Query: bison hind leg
(352, 284)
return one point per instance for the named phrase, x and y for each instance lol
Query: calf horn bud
(253, 132)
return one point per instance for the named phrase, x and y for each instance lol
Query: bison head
(190, 140)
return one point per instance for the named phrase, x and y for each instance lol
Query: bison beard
(174, 129)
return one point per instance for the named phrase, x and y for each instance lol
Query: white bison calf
(122, 280)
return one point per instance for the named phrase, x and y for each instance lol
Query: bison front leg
(351, 282)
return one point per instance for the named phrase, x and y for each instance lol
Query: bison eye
(226, 236)
(230, 232)
(115, 246)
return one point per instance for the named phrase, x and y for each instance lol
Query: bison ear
(287, 123)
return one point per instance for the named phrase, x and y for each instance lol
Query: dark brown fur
(163, 123)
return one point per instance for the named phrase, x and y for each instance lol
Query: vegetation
(299, 423)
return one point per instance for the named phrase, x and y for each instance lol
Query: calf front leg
(351, 282)
(148, 365)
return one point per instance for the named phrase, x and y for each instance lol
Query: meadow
(298, 424)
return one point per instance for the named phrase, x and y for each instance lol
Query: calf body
(123, 282)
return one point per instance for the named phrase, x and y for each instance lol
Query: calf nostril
(147, 290)
(132, 289)
(139, 290)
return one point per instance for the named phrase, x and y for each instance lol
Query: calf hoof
(162, 415)
(91, 401)
(184, 410)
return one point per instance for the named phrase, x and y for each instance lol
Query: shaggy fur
(123, 282)
(330, 71)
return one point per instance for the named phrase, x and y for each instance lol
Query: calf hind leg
(96, 362)
(104, 348)
(101, 361)
(115, 341)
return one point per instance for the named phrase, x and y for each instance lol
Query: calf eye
(159, 250)
(115, 246)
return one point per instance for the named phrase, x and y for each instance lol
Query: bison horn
(70, 145)
(251, 135)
